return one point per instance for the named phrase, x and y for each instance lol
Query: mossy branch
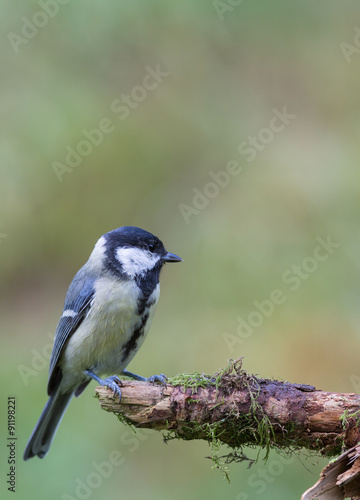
(239, 410)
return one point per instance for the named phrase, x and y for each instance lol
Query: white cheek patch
(135, 261)
(97, 255)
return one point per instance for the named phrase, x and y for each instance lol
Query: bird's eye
(152, 247)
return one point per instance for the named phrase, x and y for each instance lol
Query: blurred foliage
(227, 73)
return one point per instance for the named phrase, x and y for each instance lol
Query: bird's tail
(44, 432)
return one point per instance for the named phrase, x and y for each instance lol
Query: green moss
(191, 381)
(124, 420)
(215, 446)
(345, 419)
(346, 416)
(254, 427)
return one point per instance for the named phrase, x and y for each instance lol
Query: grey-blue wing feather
(78, 300)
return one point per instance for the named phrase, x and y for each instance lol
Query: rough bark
(338, 480)
(239, 409)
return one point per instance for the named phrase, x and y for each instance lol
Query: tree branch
(240, 409)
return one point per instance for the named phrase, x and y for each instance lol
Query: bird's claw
(157, 378)
(113, 383)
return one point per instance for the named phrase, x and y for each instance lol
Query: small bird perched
(107, 313)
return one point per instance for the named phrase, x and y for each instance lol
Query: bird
(107, 314)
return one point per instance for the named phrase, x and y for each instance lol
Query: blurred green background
(229, 66)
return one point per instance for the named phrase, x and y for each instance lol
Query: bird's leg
(154, 378)
(110, 382)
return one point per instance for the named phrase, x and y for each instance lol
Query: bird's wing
(77, 305)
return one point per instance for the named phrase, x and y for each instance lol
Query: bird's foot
(157, 378)
(112, 382)
(154, 378)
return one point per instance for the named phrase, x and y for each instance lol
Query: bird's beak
(171, 257)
